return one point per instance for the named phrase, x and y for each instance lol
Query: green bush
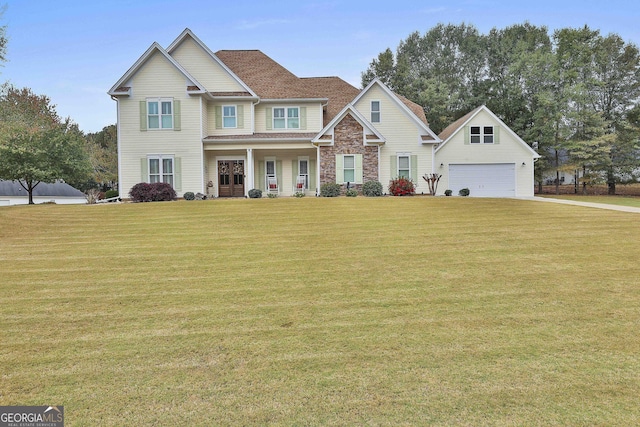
(255, 193)
(372, 189)
(299, 194)
(272, 195)
(352, 192)
(110, 194)
(401, 187)
(464, 192)
(189, 195)
(330, 189)
(447, 192)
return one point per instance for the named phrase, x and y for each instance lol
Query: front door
(231, 178)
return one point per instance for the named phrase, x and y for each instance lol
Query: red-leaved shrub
(156, 192)
(401, 187)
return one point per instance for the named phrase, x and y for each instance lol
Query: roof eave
(275, 100)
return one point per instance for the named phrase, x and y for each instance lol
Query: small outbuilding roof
(44, 189)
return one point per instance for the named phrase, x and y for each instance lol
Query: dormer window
(481, 134)
(375, 111)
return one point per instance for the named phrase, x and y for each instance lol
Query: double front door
(231, 178)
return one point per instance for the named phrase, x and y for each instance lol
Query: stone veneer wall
(348, 135)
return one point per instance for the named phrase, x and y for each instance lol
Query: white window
(303, 170)
(286, 118)
(481, 134)
(270, 170)
(160, 113)
(229, 118)
(375, 111)
(161, 169)
(404, 166)
(349, 168)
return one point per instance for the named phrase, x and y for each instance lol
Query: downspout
(202, 188)
(253, 116)
(433, 158)
(118, 144)
(318, 184)
(379, 161)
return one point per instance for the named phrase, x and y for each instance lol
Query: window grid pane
(349, 162)
(167, 166)
(154, 166)
(166, 107)
(153, 107)
(271, 168)
(167, 122)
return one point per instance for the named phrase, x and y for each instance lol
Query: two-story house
(223, 123)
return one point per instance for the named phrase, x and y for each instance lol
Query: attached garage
(484, 180)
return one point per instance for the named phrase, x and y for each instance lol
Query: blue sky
(74, 51)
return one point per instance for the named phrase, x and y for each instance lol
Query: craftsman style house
(223, 123)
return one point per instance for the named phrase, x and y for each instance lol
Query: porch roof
(271, 137)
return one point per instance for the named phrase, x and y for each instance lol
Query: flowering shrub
(401, 187)
(352, 192)
(156, 192)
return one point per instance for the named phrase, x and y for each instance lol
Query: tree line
(572, 93)
(37, 145)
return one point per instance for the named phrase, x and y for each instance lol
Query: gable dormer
(203, 64)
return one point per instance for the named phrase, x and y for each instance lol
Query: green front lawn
(609, 200)
(391, 311)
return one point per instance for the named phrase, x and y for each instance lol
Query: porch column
(317, 170)
(248, 172)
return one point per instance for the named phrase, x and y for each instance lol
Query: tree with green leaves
(574, 94)
(102, 149)
(35, 144)
(3, 37)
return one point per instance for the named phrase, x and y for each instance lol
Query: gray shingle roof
(57, 189)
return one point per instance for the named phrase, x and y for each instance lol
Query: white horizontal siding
(159, 78)
(508, 150)
(314, 117)
(204, 68)
(211, 119)
(402, 136)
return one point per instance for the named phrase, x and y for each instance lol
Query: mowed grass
(607, 200)
(391, 311)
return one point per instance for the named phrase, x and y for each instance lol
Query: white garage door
(484, 180)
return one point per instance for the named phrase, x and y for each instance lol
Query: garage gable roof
(450, 131)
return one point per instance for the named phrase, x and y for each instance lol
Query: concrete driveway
(587, 204)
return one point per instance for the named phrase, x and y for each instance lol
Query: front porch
(232, 172)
